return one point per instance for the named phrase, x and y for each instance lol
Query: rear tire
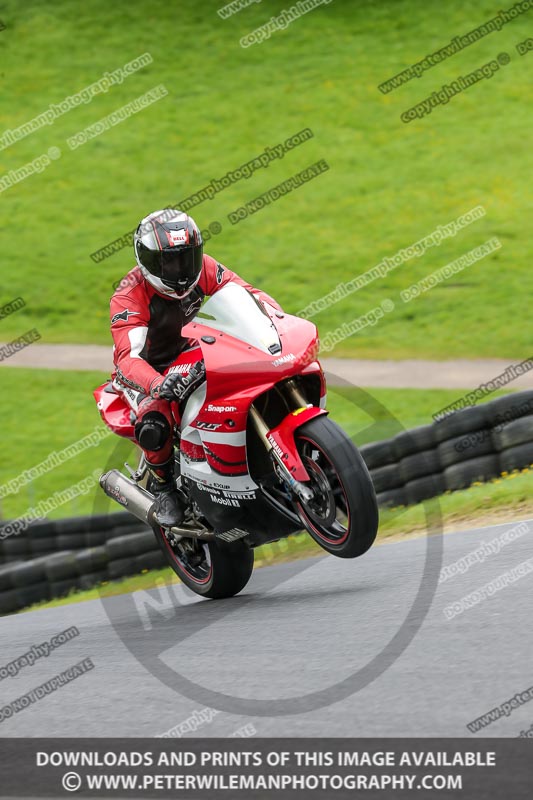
(343, 517)
(209, 568)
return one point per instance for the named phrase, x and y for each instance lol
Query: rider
(151, 304)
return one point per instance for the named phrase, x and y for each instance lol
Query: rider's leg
(153, 431)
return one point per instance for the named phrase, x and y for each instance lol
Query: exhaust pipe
(141, 503)
(126, 492)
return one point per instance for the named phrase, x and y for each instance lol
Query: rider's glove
(178, 387)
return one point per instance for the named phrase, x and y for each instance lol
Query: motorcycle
(257, 457)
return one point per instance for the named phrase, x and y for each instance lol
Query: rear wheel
(211, 569)
(342, 516)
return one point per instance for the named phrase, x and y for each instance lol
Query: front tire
(343, 515)
(209, 568)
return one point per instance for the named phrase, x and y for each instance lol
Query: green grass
(47, 410)
(389, 184)
(44, 411)
(504, 499)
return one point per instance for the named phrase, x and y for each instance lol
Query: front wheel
(342, 517)
(211, 569)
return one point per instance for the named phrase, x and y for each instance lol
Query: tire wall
(472, 445)
(51, 558)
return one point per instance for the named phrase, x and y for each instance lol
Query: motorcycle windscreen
(235, 311)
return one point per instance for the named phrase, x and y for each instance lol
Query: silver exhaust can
(141, 504)
(129, 494)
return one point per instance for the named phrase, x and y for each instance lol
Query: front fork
(275, 452)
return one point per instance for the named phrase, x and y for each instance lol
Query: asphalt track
(297, 628)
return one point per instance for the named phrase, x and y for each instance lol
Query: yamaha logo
(284, 360)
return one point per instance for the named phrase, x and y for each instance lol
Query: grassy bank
(389, 184)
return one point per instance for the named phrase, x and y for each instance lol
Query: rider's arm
(215, 275)
(130, 315)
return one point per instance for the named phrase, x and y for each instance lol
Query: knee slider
(152, 431)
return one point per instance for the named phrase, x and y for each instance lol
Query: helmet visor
(180, 269)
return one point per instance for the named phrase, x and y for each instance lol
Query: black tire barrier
(9, 601)
(466, 446)
(377, 454)
(515, 433)
(68, 526)
(142, 542)
(44, 529)
(62, 572)
(6, 578)
(30, 581)
(413, 441)
(61, 566)
(392, 498)
(52, 536)
(62, 588)
(96, 522)
(464, 474)
(70, 541)
(418, 465)
(94, 538)
(92, 559)
(120, 531)
(37, 593)
(114, 519)
(92, 579)
(16, 546)
(43, 546)
(469, 448)
(425, 488)
(385, 478)
(29, 572)
(132, 545)
(154, 559)
(467, 419)
(509, 407)
(519, 457)
(121, 568)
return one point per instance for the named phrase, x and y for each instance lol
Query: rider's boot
(168, 508)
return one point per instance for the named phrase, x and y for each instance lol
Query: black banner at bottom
(267, 768)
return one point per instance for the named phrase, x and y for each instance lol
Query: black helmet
(169, 250)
